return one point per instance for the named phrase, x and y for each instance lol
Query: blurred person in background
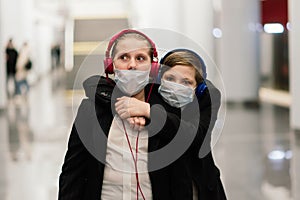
(11, 61)
(22, 67)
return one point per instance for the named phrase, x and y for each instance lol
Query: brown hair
(183, 58)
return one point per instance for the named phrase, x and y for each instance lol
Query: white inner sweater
(119, 180)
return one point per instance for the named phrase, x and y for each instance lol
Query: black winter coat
(82, 172)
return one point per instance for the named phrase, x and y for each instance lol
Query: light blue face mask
(131, 82)
(177, 95)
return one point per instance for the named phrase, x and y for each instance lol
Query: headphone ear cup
(154, 69)
(108, 66)
(200, 89)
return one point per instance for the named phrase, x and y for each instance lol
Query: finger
(123, 114)
(128, 112)
(142, 121)
(122, 99)
(134, 123)
(131, 122)
(120, 111)
(118, 107)
(122, 105)
(136, 120)
(119, 103)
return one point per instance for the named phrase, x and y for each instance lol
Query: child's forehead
(178, 75)
(181, 70)
(132, 45)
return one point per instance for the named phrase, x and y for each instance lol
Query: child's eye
(186, 82)
(141, 58)
(169, 78)
(124, 57)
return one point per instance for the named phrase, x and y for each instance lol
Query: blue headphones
(202, 86)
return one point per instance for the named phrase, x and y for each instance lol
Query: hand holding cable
(133, 110)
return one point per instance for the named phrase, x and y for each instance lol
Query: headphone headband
(108, 61)
(118, 35)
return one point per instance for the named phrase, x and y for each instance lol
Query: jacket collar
(99, 89)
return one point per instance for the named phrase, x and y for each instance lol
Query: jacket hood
(99, 89)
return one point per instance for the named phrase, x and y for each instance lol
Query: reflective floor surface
(259, 156)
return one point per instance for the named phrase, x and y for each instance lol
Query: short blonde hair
(135, 36)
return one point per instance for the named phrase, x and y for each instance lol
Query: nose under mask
(177, 95)
(131, 82)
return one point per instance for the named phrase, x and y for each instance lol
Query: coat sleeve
(160, 119)
(194, 123)
(209, 109)
(73, 177)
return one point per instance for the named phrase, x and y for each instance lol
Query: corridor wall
(294, 60)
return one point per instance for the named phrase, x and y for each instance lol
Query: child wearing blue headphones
(184, 86)
(183, 77)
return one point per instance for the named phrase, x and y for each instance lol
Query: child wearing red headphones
(108, 158)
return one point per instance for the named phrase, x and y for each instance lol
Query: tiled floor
(259, 156)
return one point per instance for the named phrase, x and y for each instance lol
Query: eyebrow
(142, 54)
(187, 79)
(168, 74)
(181, 78)
(128, 53)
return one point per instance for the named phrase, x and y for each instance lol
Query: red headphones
(108, 61)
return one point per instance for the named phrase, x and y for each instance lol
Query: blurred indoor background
(254, 44)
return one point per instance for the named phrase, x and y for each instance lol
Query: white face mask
(177, 95)
(131, 82)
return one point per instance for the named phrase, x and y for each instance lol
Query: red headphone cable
(135, 159)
